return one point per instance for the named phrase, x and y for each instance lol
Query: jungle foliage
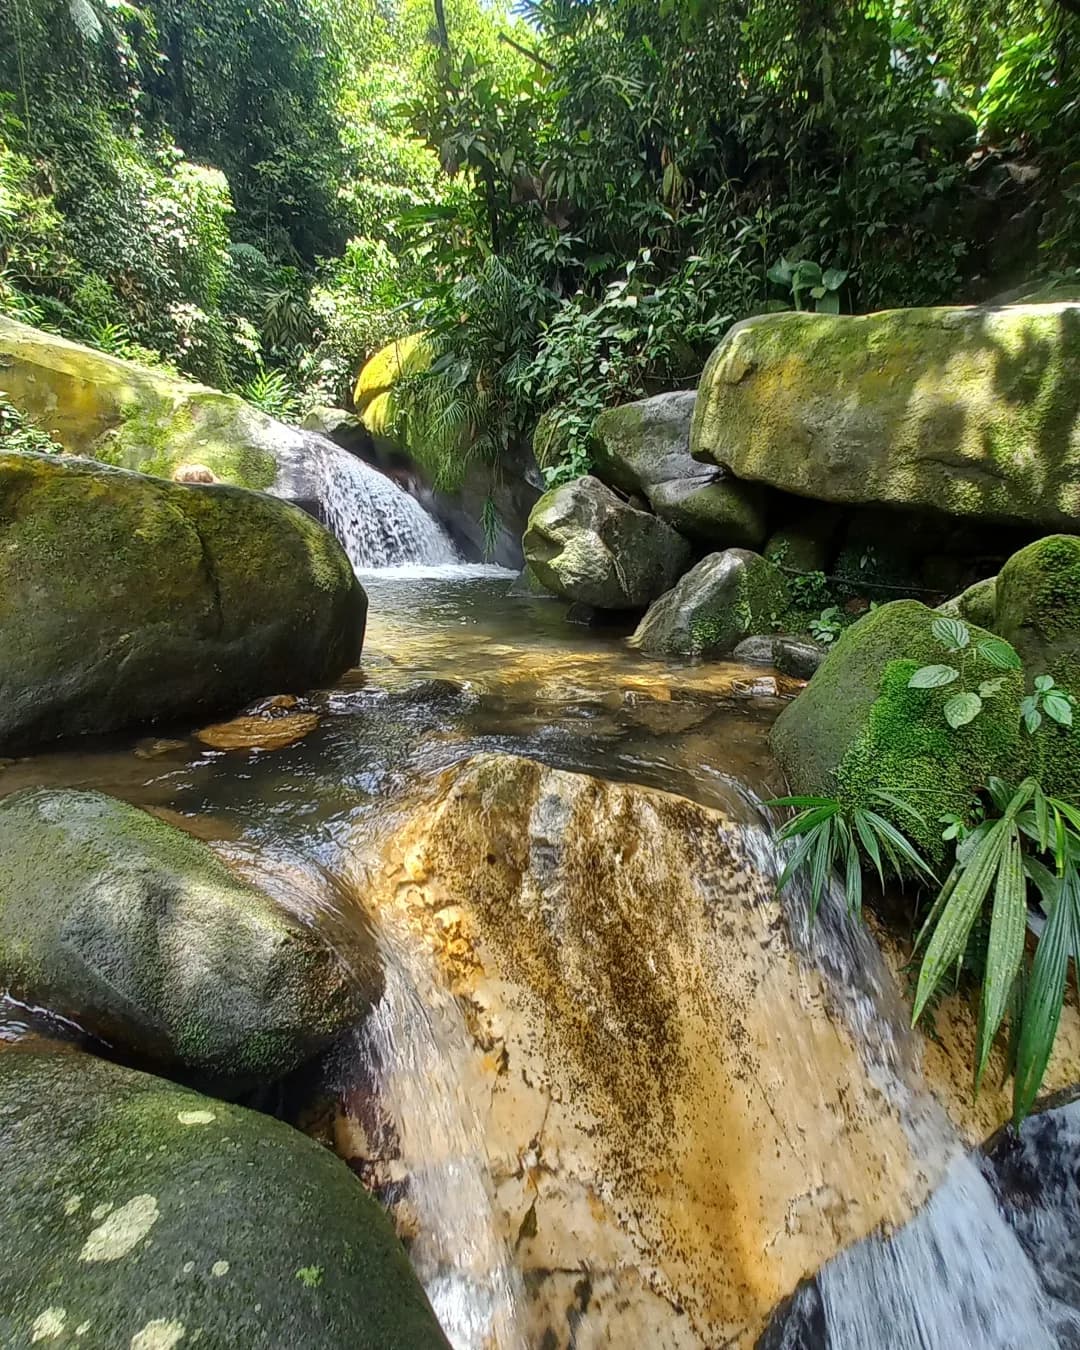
(574, 198)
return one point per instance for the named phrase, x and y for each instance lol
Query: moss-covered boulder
(857, 728)
(137, 1213)
(1037, 607)
(976, 604)
(138, 418)
(644, 448)
(968, 411)
(140, 933)
(125, 598)
(586, 544)
(727, 597)
(407, 356)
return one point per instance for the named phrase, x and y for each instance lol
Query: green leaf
(952, 633)
(833, 278)
(1005, 951)
(1045, 996)
(781, 273)
(1058, 707)
(999, 653)
(989, 688)
(933, 677)
(1044, 683)
(828, 303)
(1042, 819)
(962, 709)
(897, 846)
(959, 913)
(821, 865)
(1029, 710)
(868, 838)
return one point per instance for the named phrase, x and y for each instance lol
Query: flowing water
(378, 523)
(455, 665)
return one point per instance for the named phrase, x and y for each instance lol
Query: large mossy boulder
(137, 1213)
(136, 417)
(1037, 607)
(125, 598)
(586, 544)
(727, 597)
(969, 411)
(644, 448)
(858, 728)
(141, 934)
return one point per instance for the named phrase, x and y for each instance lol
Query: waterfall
(956, 1276)
(378, 523)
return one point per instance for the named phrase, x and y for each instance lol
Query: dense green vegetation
(574, 199)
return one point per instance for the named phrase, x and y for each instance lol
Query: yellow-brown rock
(671, 1101)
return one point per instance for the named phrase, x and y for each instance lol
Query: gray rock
(718, 603)
(141, 934)
(586, 544)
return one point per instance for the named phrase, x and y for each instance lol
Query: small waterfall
(378, 523)
(417, 1048)
(956, 1277)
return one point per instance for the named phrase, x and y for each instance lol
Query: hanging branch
(531, 55)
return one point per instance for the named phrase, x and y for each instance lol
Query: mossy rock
(141, 934)
(644, 448)
(1037, 606)
(973, 412)
(727, 597)
(135, 417)
(138, 1213)
(586, 544)
(407, 356)
(977, 604)
(857, 728)
(125, 598)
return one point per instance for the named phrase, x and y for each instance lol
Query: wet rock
(644, 447)
(154, 747)
(587, 545)
(259, 733)
(669, 1097)
(966, 411)
(141, 934)
(130, 598)
(718, 603)
(754, 651)
(137, 1213)
(788, 655)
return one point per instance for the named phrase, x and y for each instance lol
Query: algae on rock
(125, 598)
(138, 1213)
(968, 411)
(141, 934)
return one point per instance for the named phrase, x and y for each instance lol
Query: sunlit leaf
(952, 633)
(933, 677)
(962, 709)
(999, 653)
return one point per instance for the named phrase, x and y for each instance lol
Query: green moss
(858, 728)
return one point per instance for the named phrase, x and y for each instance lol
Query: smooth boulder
(141, 934)
(644, 448)
(1037, 607)
(727, 597)
(128, 598)
(136, 1213)
(970, 411)
(586, 544)
(137, 417)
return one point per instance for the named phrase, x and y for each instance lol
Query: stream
(456, 665)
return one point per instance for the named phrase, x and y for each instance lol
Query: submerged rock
(137, 1213)
(584, 543)
(128, 598)
(141, 934)
(669, 1095)
(136, 417)
(727, 597)
(968, 411)
(644, 448)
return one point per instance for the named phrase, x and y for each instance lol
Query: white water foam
(378, 523)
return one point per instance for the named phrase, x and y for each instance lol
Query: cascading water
(377, 522)
(956, 1277)
(417, 1048)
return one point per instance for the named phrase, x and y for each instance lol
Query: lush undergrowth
(574, 199)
